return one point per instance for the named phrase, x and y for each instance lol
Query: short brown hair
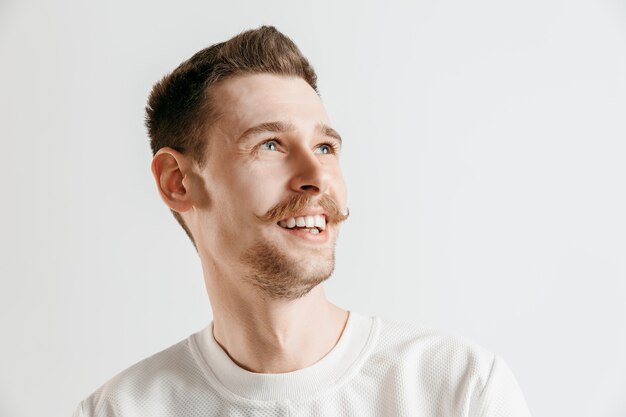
(180, 108)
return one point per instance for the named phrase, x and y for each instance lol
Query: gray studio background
(484, 149)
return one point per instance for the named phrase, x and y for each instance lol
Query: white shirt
(377, 368)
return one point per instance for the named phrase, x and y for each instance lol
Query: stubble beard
(276, 275)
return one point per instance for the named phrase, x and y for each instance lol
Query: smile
(313, 224)
(308, 227)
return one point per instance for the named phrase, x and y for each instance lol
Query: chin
(277, 274)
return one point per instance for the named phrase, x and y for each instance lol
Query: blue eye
(327, 148)
(270, 145)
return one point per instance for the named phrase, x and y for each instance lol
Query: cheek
(344, 196)
(259, 189)
(339, 188)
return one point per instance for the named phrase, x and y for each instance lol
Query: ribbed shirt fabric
(377, 368)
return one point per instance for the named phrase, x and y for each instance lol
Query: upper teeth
(304, 221)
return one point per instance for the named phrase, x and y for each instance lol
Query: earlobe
(169, 170)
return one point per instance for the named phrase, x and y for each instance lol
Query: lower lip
(320, 237)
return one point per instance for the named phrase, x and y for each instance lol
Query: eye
(328, 148)
(270, 145)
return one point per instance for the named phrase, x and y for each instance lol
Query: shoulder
(433, 361)
(449, 371)
(149, 383)
(433, 346)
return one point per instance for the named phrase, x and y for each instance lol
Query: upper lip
(310, 212)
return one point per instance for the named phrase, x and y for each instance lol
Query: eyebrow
(283, 127)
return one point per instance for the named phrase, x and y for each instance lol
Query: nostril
(309, 188)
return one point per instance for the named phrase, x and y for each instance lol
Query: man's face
(272, 159)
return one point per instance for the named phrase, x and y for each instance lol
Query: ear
(171, 169)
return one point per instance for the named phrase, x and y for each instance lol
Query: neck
(271, 336)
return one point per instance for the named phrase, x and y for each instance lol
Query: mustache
(300, 202)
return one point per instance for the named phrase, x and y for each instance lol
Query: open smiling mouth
(310, 224)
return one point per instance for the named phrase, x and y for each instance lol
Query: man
(247, 160)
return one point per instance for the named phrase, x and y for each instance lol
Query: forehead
(247, 100)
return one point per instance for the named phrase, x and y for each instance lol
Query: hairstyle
(181, 107)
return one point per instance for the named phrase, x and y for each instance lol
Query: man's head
(182, 106)
(242, 148)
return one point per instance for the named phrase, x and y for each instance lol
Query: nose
(309, 174)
